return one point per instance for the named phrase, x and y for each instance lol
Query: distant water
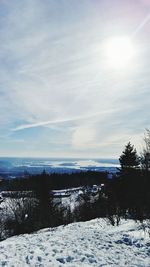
(15, 167)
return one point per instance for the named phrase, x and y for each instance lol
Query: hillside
(93, 243)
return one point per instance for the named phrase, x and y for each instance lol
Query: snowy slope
(93, 243)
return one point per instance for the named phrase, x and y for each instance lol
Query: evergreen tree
(128, 186)
(129, 157)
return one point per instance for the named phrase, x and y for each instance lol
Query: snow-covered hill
(93, 243)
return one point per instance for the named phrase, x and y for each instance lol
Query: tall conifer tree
(129, 157)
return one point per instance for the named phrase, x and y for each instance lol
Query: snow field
(93, 243)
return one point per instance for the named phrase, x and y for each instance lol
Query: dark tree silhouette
(129, 157)
(131, 185)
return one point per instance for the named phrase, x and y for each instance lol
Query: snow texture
(93, 243)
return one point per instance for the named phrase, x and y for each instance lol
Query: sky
(59, 96)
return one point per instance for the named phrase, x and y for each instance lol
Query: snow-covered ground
(93, 243)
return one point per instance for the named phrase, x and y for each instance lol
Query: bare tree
(145, 158)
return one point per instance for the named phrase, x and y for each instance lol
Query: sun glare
(119, 52)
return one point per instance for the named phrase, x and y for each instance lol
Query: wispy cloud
(54, 83)
(59, 121)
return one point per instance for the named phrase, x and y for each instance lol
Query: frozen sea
(14, 167)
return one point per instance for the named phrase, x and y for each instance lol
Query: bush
(20, 216)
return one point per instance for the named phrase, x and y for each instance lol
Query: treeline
(39, 209)
(130, 187)
(55, 181)
(127, 194)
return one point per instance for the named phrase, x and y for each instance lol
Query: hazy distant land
(14, 167)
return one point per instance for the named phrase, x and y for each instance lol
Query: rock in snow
(92, 243)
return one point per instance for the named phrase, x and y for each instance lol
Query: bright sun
(119, 52)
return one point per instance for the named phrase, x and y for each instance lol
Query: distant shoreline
(15, 167)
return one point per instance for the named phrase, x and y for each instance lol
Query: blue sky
(58, 95)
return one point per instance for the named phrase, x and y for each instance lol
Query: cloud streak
(142, 24)
(49, 122)
(54, 80)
